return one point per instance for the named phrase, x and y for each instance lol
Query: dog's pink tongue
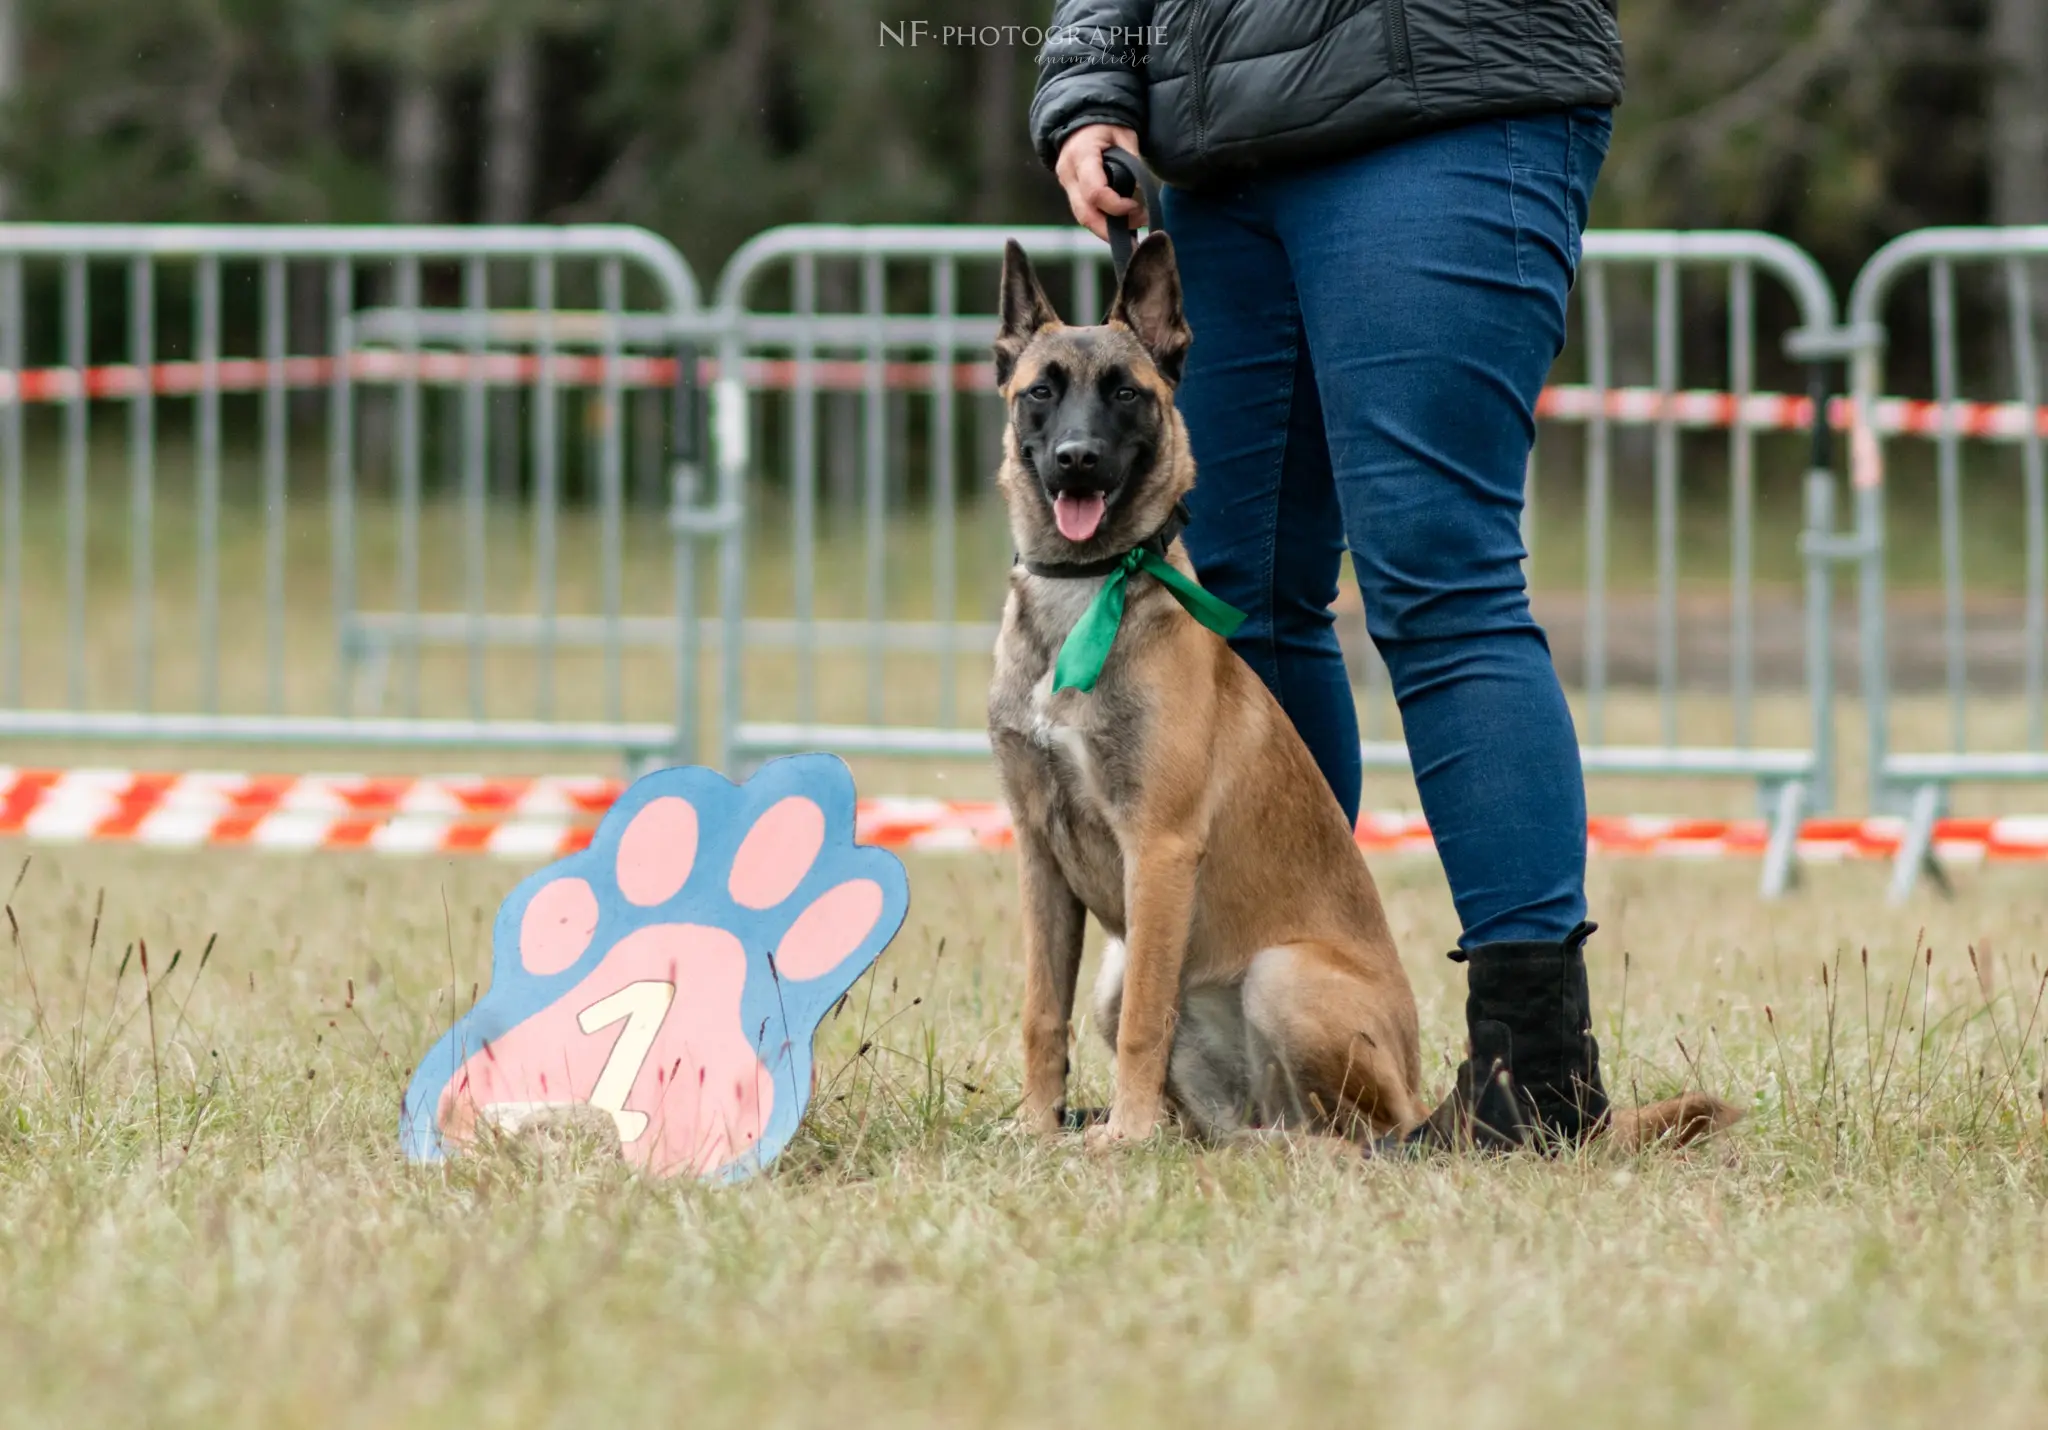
(1078, 516)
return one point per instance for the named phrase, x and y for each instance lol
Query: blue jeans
(1371, 336)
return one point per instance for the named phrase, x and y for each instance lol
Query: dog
(1251, 984)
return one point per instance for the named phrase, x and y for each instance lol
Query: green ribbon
(1086, 649)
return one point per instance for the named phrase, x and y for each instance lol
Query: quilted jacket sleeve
(1091, 71)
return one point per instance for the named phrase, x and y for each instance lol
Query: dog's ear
(1025, 311)
(1148, 303)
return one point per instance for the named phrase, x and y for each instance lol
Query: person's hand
(1081, 174)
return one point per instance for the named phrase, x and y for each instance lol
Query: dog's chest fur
(1066, 760)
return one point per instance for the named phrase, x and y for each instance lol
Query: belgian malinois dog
(1252, 981)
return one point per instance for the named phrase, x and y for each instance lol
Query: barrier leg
(1916, 848)
(1781, 854)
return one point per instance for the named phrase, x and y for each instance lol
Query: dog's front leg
(1159, 902)
(1053, 925)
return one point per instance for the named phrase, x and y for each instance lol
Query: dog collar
(1086, 648)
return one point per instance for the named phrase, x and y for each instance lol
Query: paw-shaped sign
(672, 974)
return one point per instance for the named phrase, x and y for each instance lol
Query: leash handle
(1128, 175)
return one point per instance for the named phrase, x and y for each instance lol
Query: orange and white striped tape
(536, 818)
(1632, 406)
(546, 817)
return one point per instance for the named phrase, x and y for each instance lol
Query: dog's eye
(1127, 394)
(1040, 393)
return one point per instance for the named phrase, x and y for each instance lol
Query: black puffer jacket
(1221, 86)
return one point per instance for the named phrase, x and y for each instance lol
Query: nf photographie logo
(911, 34)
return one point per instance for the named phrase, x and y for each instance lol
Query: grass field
(211, 1224)
(204, 1218)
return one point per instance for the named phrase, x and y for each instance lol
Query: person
(1378, 209)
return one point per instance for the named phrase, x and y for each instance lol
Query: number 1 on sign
(641, 1007)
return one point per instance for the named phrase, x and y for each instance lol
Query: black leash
(1127, 174)
(1157, 543)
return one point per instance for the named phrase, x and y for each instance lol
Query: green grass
(214, 1227)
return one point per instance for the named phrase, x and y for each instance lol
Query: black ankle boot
(1533, 1079)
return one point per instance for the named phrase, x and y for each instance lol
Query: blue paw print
(673, 973)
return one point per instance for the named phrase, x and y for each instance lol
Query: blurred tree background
(1835, 122)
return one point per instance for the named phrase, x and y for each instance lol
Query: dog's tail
(1671, 1123)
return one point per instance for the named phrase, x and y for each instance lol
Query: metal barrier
(871, 378)
(228, 340)
(385, 486)
(1917, 783)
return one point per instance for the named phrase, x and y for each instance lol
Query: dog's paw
(672, 974)
(1099, 1140)
(1121, 1131)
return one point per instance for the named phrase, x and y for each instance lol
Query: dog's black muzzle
(1080, 466)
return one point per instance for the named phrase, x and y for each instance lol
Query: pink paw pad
(558, 926)
(777, 852)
